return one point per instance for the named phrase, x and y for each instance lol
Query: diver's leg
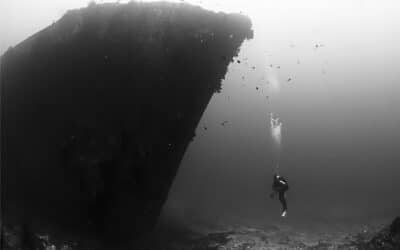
(282, 199)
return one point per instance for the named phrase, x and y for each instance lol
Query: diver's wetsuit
(280, 186)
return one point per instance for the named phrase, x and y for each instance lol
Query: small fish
(223, 123)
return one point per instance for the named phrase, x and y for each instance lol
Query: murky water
(330, 75)
(329, 72)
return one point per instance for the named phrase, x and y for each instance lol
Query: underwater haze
(328, 70)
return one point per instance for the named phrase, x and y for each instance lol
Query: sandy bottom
(232, 237)
(272, 237)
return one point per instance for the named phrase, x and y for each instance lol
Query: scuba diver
(280, 186)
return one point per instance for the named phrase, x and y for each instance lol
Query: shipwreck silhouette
(99, 108)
